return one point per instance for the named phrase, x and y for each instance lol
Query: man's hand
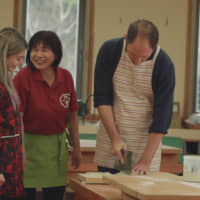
(118, 147)
(2, 179)
(154, 141)
(141, 168)
(107, 118)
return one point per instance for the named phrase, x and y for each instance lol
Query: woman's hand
(76, 157)
(2, 179)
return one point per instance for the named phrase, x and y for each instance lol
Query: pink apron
(133, 105)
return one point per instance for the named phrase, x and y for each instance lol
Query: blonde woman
(12, 52)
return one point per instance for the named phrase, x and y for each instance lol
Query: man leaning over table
(134, 85)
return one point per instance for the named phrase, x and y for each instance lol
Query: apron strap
(62, 144)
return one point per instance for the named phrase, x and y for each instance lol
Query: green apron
(46, 160)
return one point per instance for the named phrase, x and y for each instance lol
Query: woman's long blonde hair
(11, 42)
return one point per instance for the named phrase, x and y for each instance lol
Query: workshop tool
(127, 166)
(83, 107)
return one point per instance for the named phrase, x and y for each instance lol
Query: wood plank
(94, 191)
(127, 197)
(155, 186)
(92, 177)
(171, 150)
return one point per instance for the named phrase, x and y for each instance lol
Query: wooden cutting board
(155, 186)
(92, 177)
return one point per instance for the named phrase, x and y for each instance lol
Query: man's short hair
(145, 29)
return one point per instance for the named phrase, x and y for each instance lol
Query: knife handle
(123, 154)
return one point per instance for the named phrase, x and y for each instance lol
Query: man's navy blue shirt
(163, 83)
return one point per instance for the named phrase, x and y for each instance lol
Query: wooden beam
(91, 49)
(187, 60)
(15, 15)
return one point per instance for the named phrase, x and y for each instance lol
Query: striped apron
(132, 109)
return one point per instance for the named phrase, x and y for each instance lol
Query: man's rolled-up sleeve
(163, 98)
(103, 86)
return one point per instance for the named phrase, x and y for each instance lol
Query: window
(62, 17)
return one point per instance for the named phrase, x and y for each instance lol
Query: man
(134, 86)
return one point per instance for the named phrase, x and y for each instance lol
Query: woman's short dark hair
(50, 40)
(145, 29)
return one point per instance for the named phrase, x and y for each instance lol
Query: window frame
(197, 61)
(190, 60)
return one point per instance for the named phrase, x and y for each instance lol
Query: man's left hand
(141, 168)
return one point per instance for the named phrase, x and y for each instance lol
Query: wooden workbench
(85, 191)
(158, 186)
(188, 135)
(169, 162)
(154, 186)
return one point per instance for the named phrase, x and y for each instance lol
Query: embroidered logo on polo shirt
(65, 100)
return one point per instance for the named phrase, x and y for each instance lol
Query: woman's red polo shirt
(45, 108)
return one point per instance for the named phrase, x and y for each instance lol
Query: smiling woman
(48, 105)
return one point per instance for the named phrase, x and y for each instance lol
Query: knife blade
(127, 166)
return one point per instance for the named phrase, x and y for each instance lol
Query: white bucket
(191, 168)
